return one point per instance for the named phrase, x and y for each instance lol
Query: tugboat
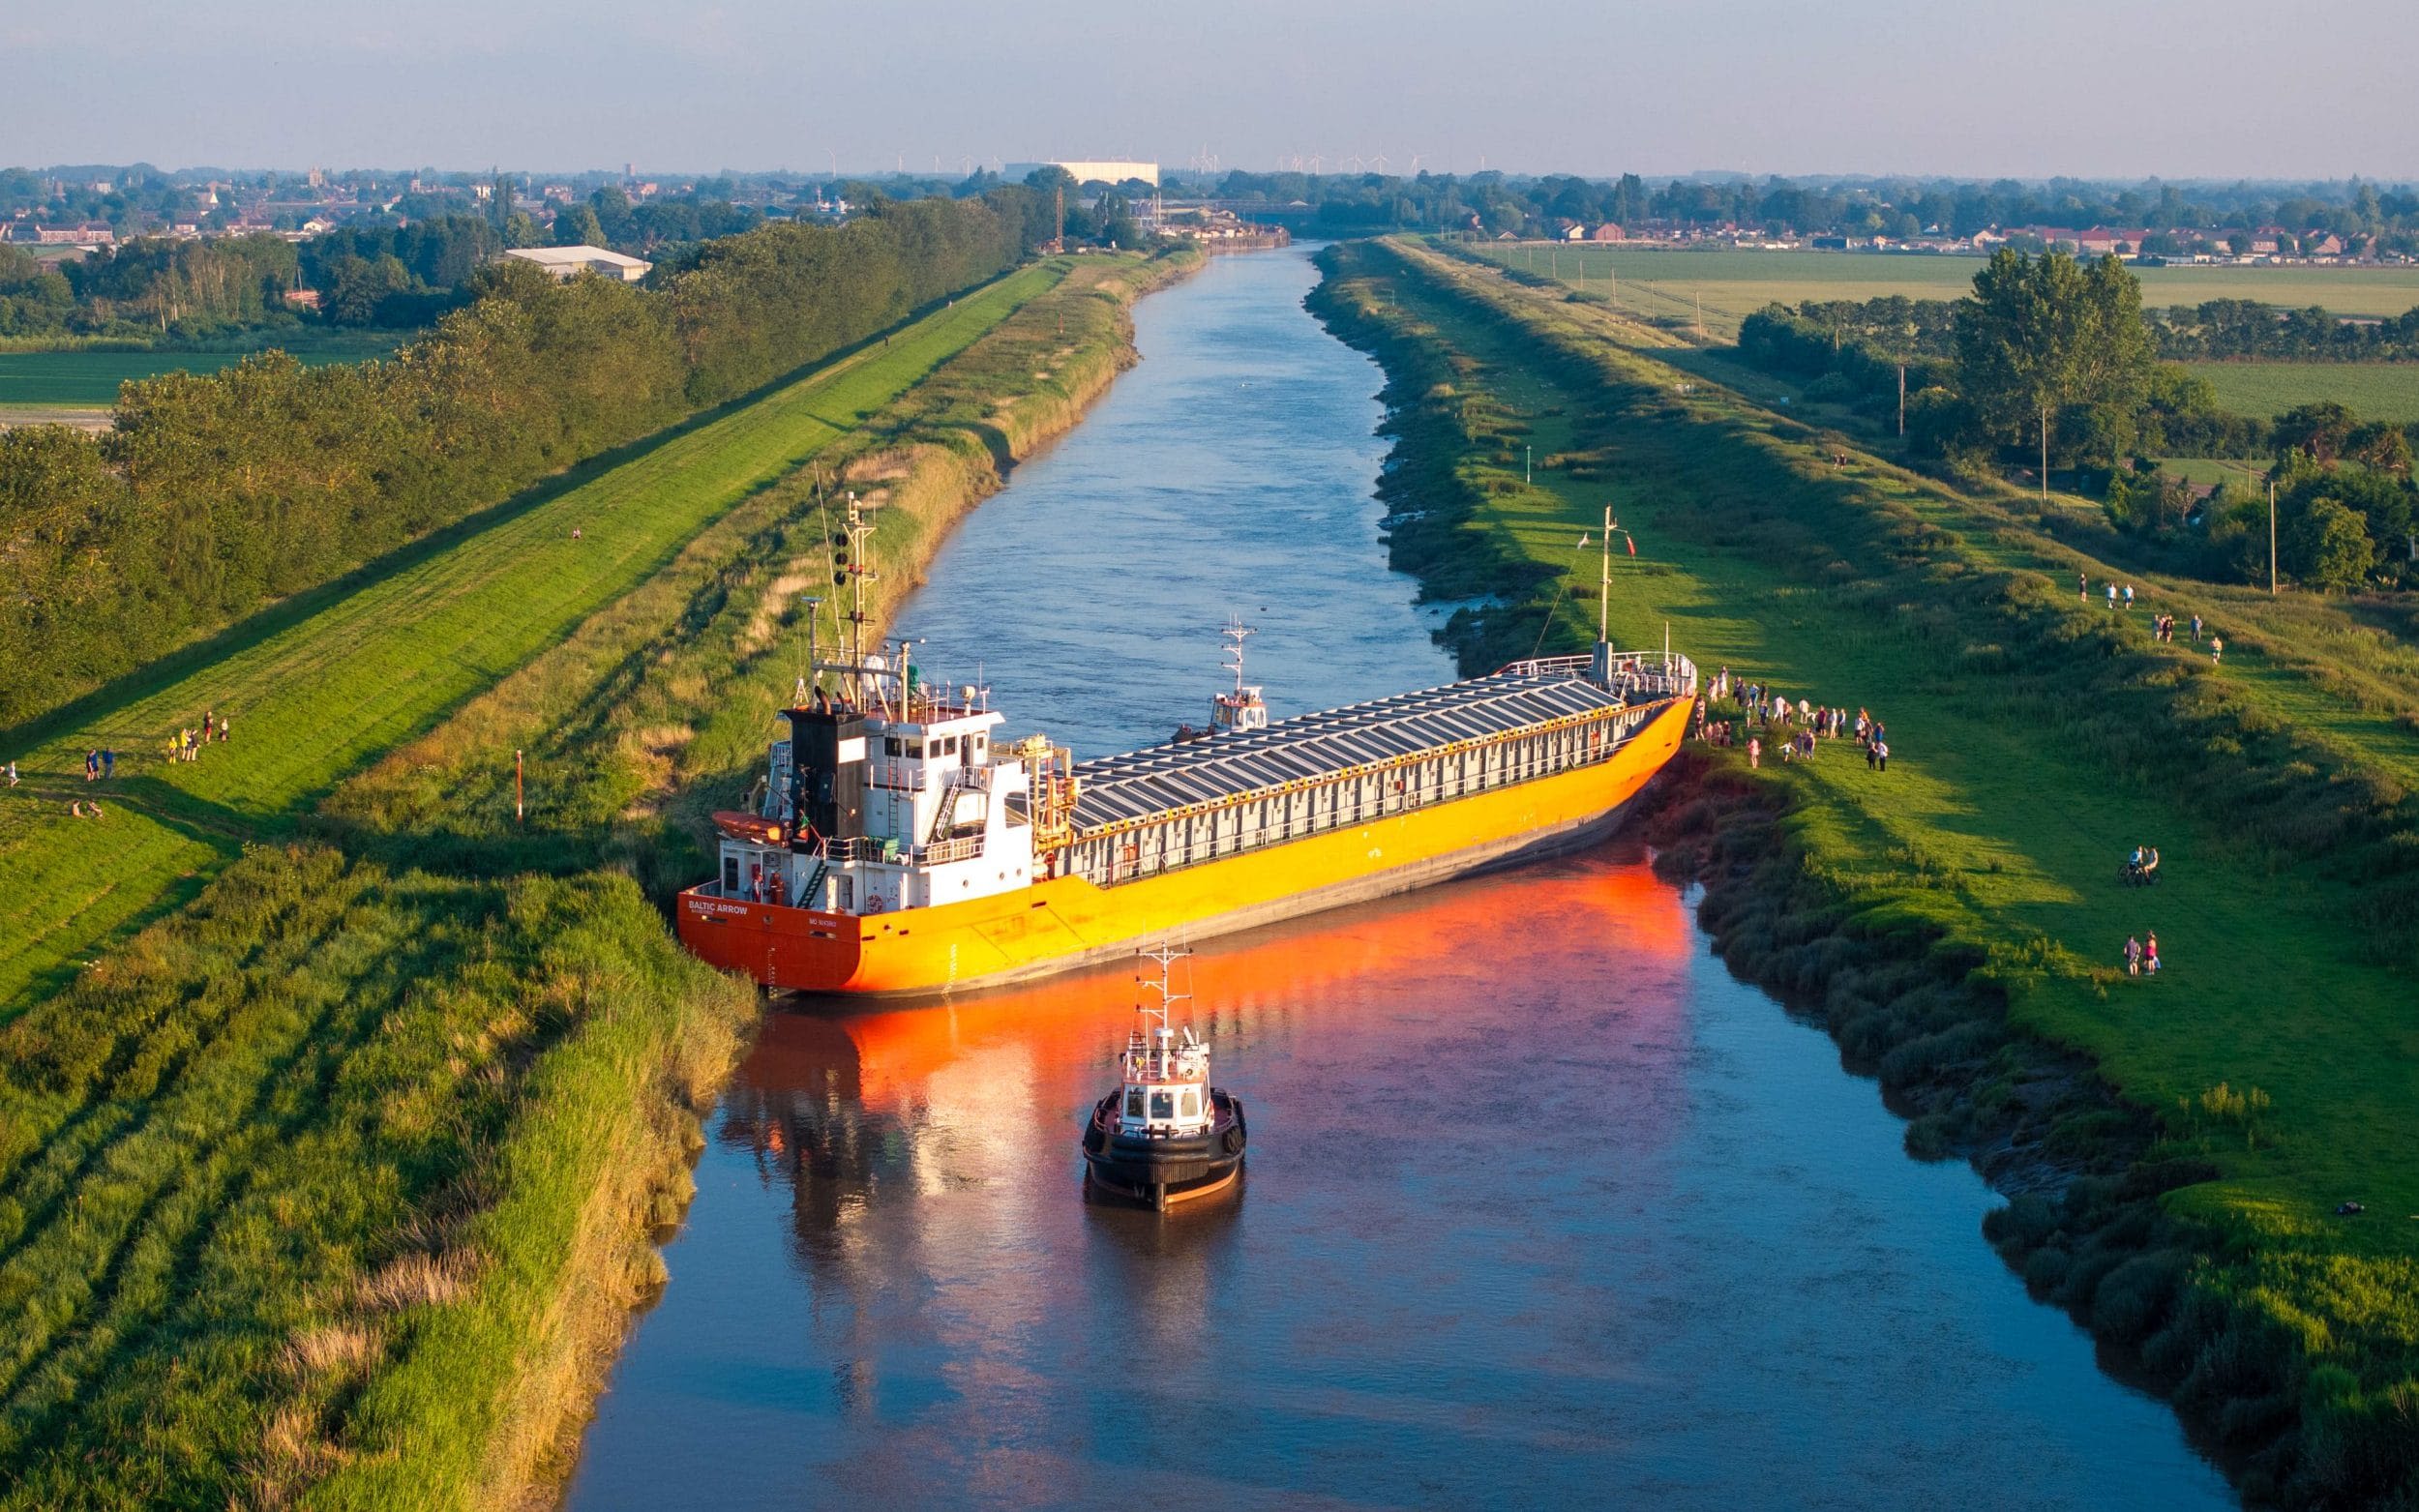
(1242, 709)
(1165, 1135)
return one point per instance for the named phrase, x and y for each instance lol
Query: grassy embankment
(312, 698)
(1663, 286)
(1952, 915)
(334, 1188)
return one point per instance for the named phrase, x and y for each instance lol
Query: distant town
(90, 208)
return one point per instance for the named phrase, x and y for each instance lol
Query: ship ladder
(811, 894)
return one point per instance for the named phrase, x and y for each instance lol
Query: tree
(2040, 334)
(2328, 547)
(2317, 432)
(578, 227)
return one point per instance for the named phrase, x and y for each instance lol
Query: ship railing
(965, 848)
(892, 852)
(1652, 675)
(1546, 666)
(864, 848)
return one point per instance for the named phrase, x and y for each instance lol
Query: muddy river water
(1542, 1208)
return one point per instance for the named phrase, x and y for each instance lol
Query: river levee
(1543, 1206)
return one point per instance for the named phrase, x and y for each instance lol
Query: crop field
(88, 378)
(313, 698)
(1665, 285)
(2371, 390)
(2023, 771)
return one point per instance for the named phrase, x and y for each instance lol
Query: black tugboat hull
(1158, 1173)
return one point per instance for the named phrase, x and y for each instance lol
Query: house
(2326, 246)
(1608, 233)
(1575, 233)
(565, 263)
(92, 233)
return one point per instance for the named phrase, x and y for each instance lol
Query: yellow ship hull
(1064, 922)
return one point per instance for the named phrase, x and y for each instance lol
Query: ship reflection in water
(1542, 1206)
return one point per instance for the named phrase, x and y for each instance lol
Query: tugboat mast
(1234, 632)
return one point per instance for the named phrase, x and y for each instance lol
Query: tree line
(2051, 363)
(2384, 219)
(2217, 330)
(148, 289)
(214, 494)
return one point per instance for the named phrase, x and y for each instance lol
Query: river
(1544, 1208)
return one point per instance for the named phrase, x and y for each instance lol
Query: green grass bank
(1955, 919)
(335, 1186)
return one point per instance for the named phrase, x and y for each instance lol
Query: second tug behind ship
(898, 847)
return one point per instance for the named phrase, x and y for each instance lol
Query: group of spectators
(2162, 626)
(101, 762)
(1794, 730)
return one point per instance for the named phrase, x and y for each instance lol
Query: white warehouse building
(569, 262)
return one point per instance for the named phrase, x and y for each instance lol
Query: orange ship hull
(1064, 922)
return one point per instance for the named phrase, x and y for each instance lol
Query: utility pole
(1700, 315)
(2272, 538)
(2045, 456)
(1903, 399)
(518, 811)
(1529, 465)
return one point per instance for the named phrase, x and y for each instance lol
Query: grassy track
(2373, 391)
(317, 698)
(89, 378)
(334, 1188)
(2012, 797)
(1664, 285)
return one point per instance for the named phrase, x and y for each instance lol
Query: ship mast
(1604, 582)
(1162, 1046)
(1234, 632)
(857, 569)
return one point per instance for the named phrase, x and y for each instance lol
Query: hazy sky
(2181, 88)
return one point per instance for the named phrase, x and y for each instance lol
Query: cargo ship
(897, 845)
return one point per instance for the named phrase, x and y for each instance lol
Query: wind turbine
(1380, 161)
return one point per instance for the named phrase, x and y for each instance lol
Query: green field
(313, 699)
(1666, 286)
(2371, 390)
(2036, 741)
(85, 378)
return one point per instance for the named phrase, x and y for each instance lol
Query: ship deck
(1309, 747)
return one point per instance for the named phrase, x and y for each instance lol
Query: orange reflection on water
(1352, 968)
